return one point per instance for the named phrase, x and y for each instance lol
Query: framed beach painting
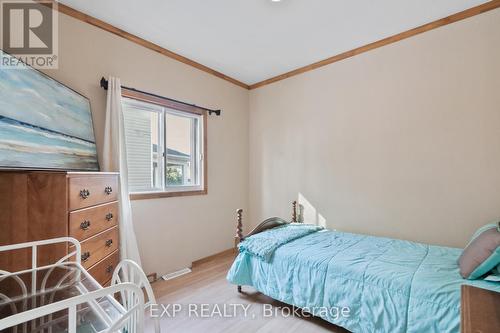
(43, 123)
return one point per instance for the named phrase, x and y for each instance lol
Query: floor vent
(170, 276)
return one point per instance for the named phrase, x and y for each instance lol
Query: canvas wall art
(43, 124)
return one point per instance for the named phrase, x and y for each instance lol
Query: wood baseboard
(228, 252)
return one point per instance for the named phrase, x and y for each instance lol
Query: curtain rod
(104, 84)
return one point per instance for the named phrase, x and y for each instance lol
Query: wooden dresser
(40, 205)
(480, 310)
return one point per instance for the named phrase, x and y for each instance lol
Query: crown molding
(491, 5)
(386, 41)
(140, 41)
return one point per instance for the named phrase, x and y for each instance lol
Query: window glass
(181, 139)
(164, 148)
(142, 135)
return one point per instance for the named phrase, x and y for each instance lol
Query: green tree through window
(174, 175)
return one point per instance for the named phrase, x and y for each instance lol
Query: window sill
(155, 195)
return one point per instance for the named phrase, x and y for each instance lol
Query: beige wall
(171, 232)
(402, 141)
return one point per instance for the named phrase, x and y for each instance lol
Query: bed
(387, 285)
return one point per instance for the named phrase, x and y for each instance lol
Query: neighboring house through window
(165, 149)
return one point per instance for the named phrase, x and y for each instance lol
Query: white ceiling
(253, 40)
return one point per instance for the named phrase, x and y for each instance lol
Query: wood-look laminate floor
(208, 292)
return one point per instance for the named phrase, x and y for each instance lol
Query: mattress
(388, 285)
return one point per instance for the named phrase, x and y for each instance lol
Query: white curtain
(115, 159)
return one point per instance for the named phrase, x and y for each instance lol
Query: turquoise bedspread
(388, 285)
(264, 244)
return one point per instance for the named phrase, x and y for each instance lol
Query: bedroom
(378, 121)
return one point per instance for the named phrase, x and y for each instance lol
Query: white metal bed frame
(131, 312)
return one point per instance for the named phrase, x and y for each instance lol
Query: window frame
(175, 191)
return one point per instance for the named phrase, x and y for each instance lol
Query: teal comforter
(264, 244)
(388, 285)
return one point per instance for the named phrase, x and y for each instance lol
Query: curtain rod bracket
(104, 84)
(217, 112)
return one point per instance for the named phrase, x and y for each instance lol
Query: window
(165, 149)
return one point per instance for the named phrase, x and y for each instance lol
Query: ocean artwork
(43, 124)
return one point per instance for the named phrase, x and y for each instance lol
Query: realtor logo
(29, 33)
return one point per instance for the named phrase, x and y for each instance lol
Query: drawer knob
(85, 225)
(108, 190)
(109, 242)
(109, 269)
(85, 256)
(84, 194)
(109, 216)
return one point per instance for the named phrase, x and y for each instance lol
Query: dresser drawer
(90, 190)
(99, 246)
(103, 270)
(87, 222)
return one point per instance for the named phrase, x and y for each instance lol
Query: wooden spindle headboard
(239, 226)
(264, 225)
(294, 211)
